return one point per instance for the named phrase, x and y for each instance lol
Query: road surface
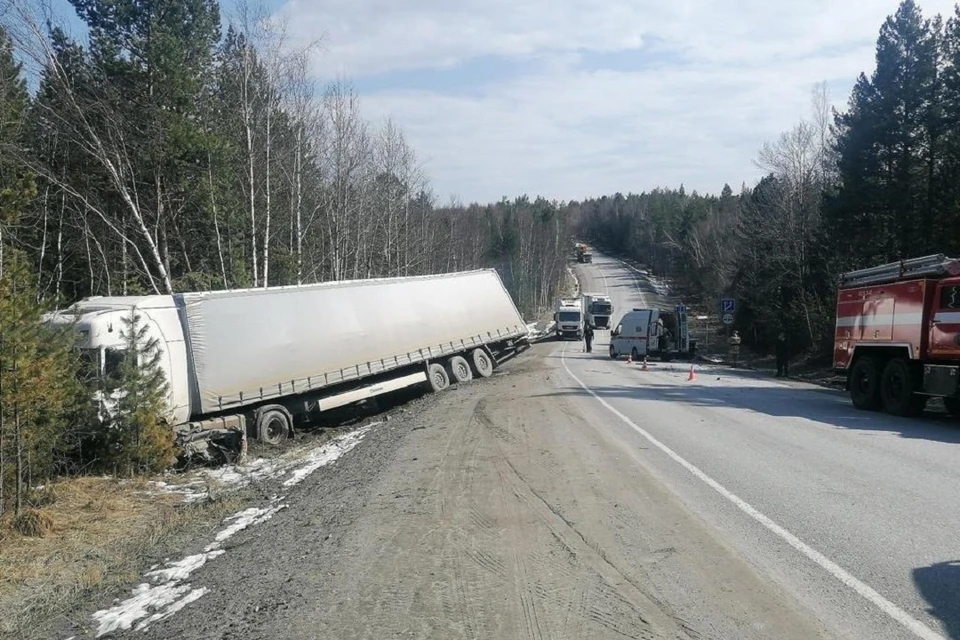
(572, 496)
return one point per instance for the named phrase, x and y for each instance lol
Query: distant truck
(655, 333)
(568, 317)
(597, 308)
(261, 362)
(897, 337)
(583, 253)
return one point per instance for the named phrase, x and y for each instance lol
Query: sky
(575, 98)
(569, 99)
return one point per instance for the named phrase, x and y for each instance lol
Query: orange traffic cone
(693, 375)
(644, 367)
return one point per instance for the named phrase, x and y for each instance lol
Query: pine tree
(139, 440)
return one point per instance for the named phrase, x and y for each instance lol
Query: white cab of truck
(568, 316)
(597, 308)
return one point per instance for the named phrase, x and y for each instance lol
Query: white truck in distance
(568, 316)
(597, 308)
(261, 362)
(653, 332)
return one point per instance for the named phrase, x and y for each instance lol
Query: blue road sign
(728, 305)
(680, 309)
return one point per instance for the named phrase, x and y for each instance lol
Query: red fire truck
(898, 334)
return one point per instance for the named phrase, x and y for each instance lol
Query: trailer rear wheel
(437, 378)
(865, 384)
(459, 369)
(482, 363)
(273, 426)
(897, 389)
(952, 405)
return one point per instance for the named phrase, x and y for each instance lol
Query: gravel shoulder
(498, 509)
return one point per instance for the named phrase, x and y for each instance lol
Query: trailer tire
(613, 353)
(273, 426)
(952, 405)
(897, 389)
(459, 370)
(437, 378)
(482, 363)
(634, 354)
(865, 384)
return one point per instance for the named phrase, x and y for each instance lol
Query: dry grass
(78, 538)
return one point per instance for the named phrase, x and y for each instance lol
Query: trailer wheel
(865, 384)
(952, 405)
(613, 353)
(482, 363)
(634, 354)
(273, 426)
(459, 369)
(896, 390)
(437, 378)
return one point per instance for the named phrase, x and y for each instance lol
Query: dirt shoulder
(493, 510)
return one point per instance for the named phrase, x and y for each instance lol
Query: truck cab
(568, 319)
(100, 324)
(653, 332)
(598, 309)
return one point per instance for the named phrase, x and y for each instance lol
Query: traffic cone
(630, 358)
(644, 367)
(693, 375)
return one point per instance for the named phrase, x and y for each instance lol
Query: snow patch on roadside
(327, 454)
(167, 590)
(238, 476)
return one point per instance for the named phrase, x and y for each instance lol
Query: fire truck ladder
(935, 266)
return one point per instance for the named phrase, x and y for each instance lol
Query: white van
(652, 332)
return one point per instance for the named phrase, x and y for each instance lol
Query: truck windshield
(88, 364)
(112, 362)
(601, 308)
(569, 316)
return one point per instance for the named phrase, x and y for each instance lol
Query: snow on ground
(199, 484)
(167, 590)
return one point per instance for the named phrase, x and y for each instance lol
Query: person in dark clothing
(588, 338)
(783, 356)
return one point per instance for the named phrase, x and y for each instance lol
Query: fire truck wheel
(896, 389)
(865, 384)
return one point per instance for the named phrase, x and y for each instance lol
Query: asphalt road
(854, 514)
(572, 496)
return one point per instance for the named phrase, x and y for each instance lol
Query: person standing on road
(783, 356)
(734, 347)
(588, 338)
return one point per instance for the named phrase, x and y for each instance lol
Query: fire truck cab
(897, 334)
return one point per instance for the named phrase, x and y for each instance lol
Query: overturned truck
(259, 363)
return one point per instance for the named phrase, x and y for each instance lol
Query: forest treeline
(877, 181)
(176, 149)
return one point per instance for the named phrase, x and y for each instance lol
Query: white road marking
(913, 625)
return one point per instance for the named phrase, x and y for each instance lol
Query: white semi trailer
(260, 362)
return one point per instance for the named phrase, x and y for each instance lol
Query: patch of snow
(242, 520)
(170, 593)
(146, 600)
(173, 608)
(327, 454)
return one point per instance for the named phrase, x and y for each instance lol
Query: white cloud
(721, 78)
